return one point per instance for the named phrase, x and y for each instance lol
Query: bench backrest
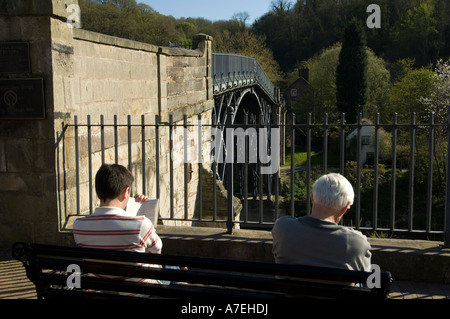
(47, 266)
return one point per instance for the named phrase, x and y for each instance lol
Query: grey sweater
(314, 242)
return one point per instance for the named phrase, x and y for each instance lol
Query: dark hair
(111, 180)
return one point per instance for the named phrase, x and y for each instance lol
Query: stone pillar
(203, 43)
(28, 184)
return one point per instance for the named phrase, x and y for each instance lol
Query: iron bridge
(244, 96)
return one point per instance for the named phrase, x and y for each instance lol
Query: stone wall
(87, 73)
(27, 175)
(111, 76)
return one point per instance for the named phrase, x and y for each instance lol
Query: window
(365, 140)
(293, 92)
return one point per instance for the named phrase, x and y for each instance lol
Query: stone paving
(419, 290)
(14, 284)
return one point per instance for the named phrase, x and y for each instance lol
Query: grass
(301, 155)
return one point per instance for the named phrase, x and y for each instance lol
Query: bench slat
(57, 282)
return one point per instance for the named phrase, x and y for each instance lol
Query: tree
(351, 73)
(439, 100)
(126, 19)
(323, 79)
(280, 7)
(408, 94)
(248, 44)
(241, 17)
(438, 103)
(378, 85)
(322, 76)
(419, 35)
(188, 29)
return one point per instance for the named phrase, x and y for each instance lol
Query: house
(367, 143)
(294, 94)
(298, 89)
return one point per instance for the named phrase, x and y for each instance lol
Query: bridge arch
(241, 85)
(240, 82)
(243, 101)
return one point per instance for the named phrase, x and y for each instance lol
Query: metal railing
(231, 70)
(183, 45)
(399, 171)
(401, 187)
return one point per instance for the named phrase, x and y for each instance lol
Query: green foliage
(379, 83)
(127, 19)
(384, 204)
(300, 191)
(351, 73)
(419, 33)
(300, 157)
(407, 94)
(322, 71)
(367, 175)
(323, 79)
(439, 100)
(246, 43)
(409, 28)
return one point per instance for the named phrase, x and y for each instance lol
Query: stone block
(100, 90)
(140, 71)
(86, 90)
(176, 74)
(13, 231)
(46, 233)
(99, 68)
(175, 89)
(71, 92)
(207, 184)
(29, 155)
(9, 28)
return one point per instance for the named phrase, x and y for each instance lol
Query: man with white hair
(319, 240)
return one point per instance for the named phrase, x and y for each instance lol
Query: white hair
(334, 191)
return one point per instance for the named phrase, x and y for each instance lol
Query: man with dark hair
(111, 180)
(110, 226)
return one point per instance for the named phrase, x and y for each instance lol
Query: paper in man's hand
(149, 209)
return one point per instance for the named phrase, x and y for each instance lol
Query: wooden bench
(48, 268)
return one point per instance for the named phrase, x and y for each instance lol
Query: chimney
(304, 73)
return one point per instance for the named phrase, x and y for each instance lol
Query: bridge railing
(230, 70)
(402, 184)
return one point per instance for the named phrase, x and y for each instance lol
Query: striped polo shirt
(113, 228)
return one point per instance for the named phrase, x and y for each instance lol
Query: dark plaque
(14, 57)
(22, 98)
